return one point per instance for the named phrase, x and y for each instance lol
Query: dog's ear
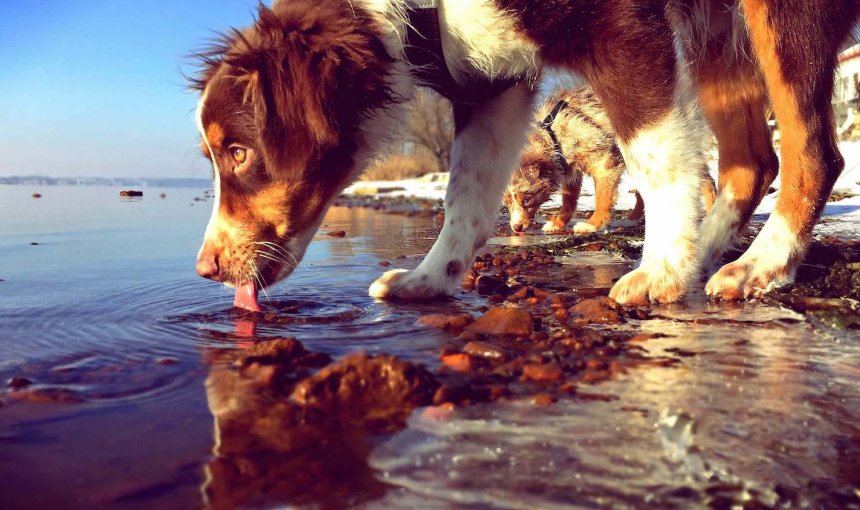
(310, 75)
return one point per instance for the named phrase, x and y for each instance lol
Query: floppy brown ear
(310, 73)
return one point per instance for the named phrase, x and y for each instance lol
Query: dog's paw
(650, 283)
(552, 227)
(583, 227)
(746, 279)
(403, 284)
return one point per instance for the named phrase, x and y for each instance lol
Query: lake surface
(100, 304)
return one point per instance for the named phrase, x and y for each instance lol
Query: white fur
(216, 206)
(719, 227)
(771, 252)
(479, 36)
(664, 163)
(483, 157)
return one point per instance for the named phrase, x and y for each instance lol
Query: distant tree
(430, 126)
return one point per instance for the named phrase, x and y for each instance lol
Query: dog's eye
(239, 154)
(527, 200)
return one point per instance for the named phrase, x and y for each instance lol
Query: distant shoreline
(143, 182)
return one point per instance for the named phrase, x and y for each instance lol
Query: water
(761, 409)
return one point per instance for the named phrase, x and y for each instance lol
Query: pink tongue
(246, 297)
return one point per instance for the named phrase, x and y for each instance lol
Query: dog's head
(280, 115)
(531, 185)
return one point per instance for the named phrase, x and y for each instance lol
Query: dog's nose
(517, 227)
(207, 265)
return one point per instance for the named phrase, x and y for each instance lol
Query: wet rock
(458, 362)
(368, 389)
(130, 193)
(454, 323)
(37, 195)
(47, 395)
(597, 310)
(487, 285)
(283, 351)
(166, 361)
(543, 372)
(502, 321)
(543, 400)
(16, 383)
(484, 350)
(336, 233)
(384, 263)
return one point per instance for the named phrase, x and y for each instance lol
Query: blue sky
(94, 87)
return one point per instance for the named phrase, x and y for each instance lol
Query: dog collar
(546, 123)
(424, 52)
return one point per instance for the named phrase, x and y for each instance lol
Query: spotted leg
(569, 198)
(485, 151)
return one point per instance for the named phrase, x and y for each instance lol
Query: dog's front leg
(486, 149)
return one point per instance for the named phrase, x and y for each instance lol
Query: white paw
(551, 227)
(583, 227)
(745, 279)
(651, 283)
(403, 284)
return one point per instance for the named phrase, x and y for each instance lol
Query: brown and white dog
(570, 136)
(293, 107)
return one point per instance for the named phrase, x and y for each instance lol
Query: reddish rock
(542, 372)
(458, 362)
(502, 321)
(16, 383)
(543, 400)
(486, 285)
(166, 361)
(336, 233)
(597, 310)
(455, 323)
(384, 263)
(369, 389)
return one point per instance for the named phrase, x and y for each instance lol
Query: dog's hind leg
(734, 99)
(486, 150)
(709, 189)
(795, 43)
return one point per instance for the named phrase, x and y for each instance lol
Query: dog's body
(570, 136)
(293, 107)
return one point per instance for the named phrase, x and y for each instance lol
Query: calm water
(762, 410)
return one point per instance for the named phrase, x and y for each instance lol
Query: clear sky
(94, 87)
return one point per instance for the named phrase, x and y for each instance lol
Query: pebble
(484, 350)
(16, 383)
(458, 362)
(336, 233)
(486, 285)
(447, 322)
(543, 372)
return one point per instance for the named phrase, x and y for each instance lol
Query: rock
(384, 263)
(455, 323)
(598, 310)
(166, 361)
(130, 193)
(336, 233)
(543, 399)
(458, 362)
(16, 383)
(502, 321)
(283, 351)
(47, 395)
(37, 195)
(367, 389)
(484, 350)
(486, 285)
(543, 372)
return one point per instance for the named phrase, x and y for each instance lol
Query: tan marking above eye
(215, 135)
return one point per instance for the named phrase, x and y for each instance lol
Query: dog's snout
(207, 264)
(517, 227)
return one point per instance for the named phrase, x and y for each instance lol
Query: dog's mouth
(246, 296)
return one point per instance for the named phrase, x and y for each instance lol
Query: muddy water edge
(529, 389)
